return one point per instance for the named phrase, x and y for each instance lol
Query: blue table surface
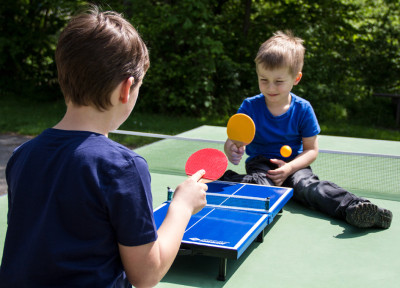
(229, 228)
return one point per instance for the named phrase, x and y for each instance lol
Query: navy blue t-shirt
(73, 196)
(272, 132)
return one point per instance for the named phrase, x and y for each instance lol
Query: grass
(20, 116)
(30, 117)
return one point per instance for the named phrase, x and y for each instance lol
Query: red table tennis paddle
(213, 161)
(241, 129)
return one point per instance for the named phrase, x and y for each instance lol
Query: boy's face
(276, 84)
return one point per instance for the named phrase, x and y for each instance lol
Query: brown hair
(95, 53)
(282, 50)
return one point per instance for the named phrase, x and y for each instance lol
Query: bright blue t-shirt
(73, 196)
(272, 132)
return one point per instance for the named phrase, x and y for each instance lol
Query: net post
(170, 194)
(267, 203)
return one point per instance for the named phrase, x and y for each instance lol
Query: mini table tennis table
(236, 214)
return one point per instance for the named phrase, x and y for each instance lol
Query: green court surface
(301, 248)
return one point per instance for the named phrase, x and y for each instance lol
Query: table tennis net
(364, 174)
(231, 201)
(237, 202)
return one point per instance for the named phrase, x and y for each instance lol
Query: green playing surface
(301, 248)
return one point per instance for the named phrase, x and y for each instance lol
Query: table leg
(260, 237)
(222, 269)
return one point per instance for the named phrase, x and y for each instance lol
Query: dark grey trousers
(308, 190)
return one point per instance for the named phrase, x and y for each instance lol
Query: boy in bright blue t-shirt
(80, 205)
(282, 118)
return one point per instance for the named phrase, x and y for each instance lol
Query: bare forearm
(157, 257)
(145, 265)
(303, 160)
(171, 232)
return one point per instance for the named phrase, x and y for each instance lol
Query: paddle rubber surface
(241, 129)
(213, 161)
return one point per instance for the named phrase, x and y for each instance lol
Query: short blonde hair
(282, 50)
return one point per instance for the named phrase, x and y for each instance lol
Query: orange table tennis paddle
(241, 129)
(213, 161)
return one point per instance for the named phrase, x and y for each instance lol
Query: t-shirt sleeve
(309, 125)
(246, 108)
(130, 204)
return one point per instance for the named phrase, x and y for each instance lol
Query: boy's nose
(271, 87)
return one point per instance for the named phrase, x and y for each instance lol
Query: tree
(202, 52)
(28, 32)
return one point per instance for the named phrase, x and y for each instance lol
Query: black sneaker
(366, 214)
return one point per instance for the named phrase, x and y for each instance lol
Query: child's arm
(145, 265)
(233, 153)
(304, 159)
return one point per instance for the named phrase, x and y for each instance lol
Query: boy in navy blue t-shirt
(80, 205)
(282, 118)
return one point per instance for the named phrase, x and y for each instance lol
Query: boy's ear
(125, 89)
(298, 78)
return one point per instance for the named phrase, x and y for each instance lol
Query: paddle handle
(239, 143)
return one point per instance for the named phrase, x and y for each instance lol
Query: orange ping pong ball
(286, 151)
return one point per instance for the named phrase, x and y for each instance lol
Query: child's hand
(279, 175)
(192, 193)
(233, 153)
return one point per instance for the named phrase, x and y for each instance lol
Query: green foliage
(189, 63)
(28, 36)
(202, 52)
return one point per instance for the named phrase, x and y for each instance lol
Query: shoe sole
(365, 215)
